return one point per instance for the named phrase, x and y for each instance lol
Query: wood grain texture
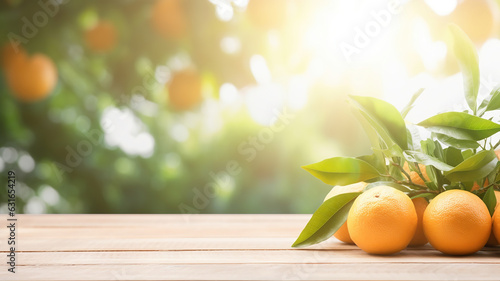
(213, 247)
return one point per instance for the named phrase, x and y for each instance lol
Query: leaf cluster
(460, 153)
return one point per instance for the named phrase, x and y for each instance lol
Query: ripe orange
(102, 37)
(382, 220)
(414, 176)
(492, 241)
(343, 233)
(497, 152)
(184, 89)
(496, 224)
(457, 222)
(419, 238)
(169, 18)
(32, 78)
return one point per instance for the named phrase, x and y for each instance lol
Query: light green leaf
(461, 125)
(377, 160)
(409, 106)
(327, 219)
(475, 167)
(490, 200)
(386, 116)
(467, 59)
(342, 170)
(458, 143)
(492, 102)
(416, 156)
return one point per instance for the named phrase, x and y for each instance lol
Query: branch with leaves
(454, 157)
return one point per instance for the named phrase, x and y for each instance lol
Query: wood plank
(109, 221)
(247, 257)
(358, 271)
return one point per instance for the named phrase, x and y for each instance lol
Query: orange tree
(106, 54)
(459, 155)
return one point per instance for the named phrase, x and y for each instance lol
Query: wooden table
(211, 247)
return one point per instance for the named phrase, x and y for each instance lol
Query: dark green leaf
(461, 125)
(453, 156)
(416, 156)
(342, 170)
(327, 219)
(458, 143)
(475, 167)
(490, 200)
(467, 59)
(386, 116)
(409, 106)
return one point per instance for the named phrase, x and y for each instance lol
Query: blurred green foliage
(108, 180)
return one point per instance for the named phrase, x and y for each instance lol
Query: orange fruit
(102, 37)
(496, 224)
(169, 18)
(419, 238)
(414, 176)
(382, 220)
(32, 78)
(492, 241)
(497, 152)
(457, 222)
(343, 233)
(267, 14)
(476, 18)
(184, 90)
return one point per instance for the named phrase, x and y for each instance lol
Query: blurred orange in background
(102, 37)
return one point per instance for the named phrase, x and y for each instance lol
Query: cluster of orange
(384, 220)
(33, 78)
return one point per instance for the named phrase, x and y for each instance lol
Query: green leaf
(453, 156)
(460, 125)
(473, 168)
(490, 200)
(409, 106)
(467, 59)
(415, 137)
(386, 116)
(467, 153)
(377, 160)
(458, 143)
(342, 170)
(492, 102)
(327, 219)
(416, 156)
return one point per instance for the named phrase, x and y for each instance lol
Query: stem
(403, 171)
(420, 187)
(496, 145)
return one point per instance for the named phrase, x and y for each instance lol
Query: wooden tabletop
(212, 247)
